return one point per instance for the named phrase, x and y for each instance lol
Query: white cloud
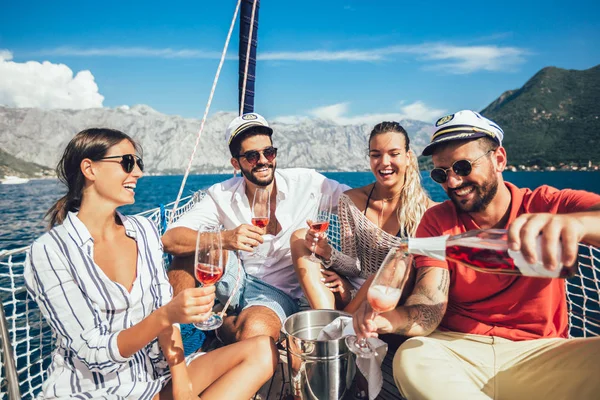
(467, 59)
(339, 114)
(130, 52)
(455, 59)
(323, 55)
(45, 85)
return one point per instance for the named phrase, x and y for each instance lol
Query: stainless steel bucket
(319, 369)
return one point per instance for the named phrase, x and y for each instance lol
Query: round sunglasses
(253, 156)
(460, 168)
(128, 162)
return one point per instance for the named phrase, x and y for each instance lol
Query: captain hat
(463, 125)
(244, 122)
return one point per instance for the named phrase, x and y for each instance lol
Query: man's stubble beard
(251, 178)
(484, 194)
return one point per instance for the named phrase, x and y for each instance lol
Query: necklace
(380, 222)
(384, 199)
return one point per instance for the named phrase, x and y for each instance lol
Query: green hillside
(11, 165)
(554, 118)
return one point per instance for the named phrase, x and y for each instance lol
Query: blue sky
(349, 61)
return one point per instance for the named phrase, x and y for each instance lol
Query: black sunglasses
(460, 168)
(128, 162)
(253, 156)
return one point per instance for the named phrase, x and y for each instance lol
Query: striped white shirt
(87, 310)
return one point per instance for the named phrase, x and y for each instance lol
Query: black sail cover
(245, 23)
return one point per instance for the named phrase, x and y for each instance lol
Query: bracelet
(326, 263)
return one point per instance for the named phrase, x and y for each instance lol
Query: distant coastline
(424, 166)
(589, 167)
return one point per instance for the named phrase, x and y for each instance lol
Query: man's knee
(257, 321)
(185, 263)
(407, 357)
(181, 273)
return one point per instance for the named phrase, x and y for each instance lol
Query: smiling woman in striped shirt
(98, 278)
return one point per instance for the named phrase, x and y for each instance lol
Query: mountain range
(40, 136)
(553, 119)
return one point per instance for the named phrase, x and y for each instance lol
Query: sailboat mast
(247, 54)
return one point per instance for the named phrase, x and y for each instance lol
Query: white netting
(32, 341)
(583, 293)
(30, 336)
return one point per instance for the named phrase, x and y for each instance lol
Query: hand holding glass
(383, 294)
(319, 222)
(209, 266)
(261, 212)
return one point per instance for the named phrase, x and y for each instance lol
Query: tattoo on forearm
(426, 305)
(444, 282)
(428, 317)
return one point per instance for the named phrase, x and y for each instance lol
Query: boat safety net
(32, 341)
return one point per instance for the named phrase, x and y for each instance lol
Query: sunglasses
(460, 168)
(128, 162)
(253, 156)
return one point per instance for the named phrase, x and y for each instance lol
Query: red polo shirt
(513, 307)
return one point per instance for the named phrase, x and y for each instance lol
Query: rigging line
(243, 99)
(210, 97)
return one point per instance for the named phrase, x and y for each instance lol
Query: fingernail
(322, 279)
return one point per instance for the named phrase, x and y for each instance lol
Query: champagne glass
(209, 266)
(319, 221)
(261, 212)
(383, 294)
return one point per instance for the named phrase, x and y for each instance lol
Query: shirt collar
(239, 192)
(516, 201)
(80, 233)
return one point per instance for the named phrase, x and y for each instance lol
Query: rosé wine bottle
(485, 251)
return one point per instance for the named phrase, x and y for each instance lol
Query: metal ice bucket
(319, 369)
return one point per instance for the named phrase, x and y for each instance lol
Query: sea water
(22, 207)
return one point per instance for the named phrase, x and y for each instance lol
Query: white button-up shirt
(87, 310)
(298, 193)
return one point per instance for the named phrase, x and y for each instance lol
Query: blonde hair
(413, 197)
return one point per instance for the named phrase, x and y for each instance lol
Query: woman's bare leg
(236, 371)
(309, 274)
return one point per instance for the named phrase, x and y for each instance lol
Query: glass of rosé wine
(261, 212)
(209, 266)
(319, 222)
(383, 294)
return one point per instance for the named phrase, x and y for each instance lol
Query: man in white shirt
(268, 290)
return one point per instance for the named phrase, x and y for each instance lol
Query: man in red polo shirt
(486, 336)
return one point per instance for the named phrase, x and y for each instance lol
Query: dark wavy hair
(90, 143)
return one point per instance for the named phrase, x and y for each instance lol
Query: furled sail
(248, 26)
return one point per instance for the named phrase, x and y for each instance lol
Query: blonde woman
(373, 219)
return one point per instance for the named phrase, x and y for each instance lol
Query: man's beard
(260, 182)
(483, 196)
